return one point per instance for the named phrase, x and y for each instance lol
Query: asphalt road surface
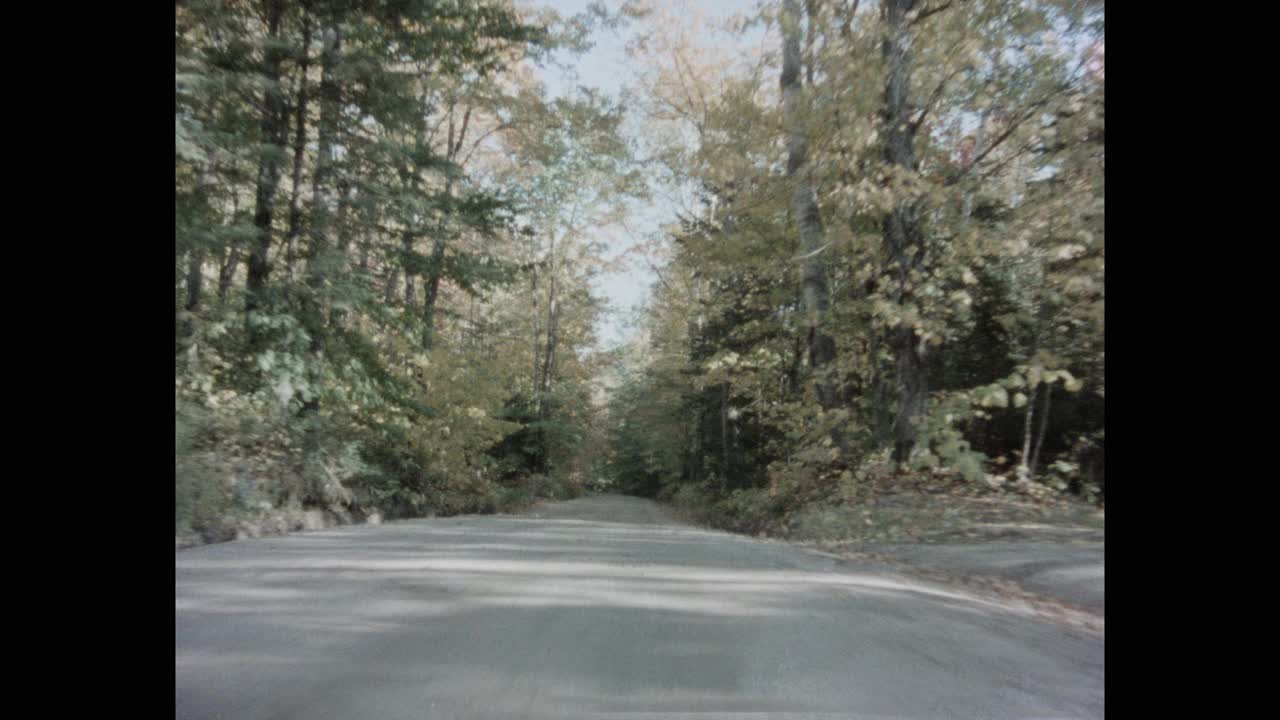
(601, 607)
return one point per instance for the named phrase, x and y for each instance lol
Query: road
(602, 607)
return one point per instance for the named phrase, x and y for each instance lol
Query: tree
(813, 279)
(957, 140)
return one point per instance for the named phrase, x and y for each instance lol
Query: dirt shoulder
(1045, 551)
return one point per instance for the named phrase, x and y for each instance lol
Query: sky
(606, 68)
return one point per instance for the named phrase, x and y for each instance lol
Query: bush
(466, 494)
(203, 496)
(204, 502)
(514, 499)
(823, 522)
(243, 468)
(689, 498)
(751, 511)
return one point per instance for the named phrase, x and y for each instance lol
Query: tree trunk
(227, 270)
(392, 283)
(340, 222)
(299, 148)
(537, 337)
(903, 240)
(472, 335)
(813, 279)
(409, 176)
(881, 393)
(230, 257)
(268, 180)
(324, 200)
(433, 286)
(724, 436)
(336, 315)
(548, 361)
(549, 357)
(912, 391)
(410, 294)
(324, 188)
(979, 137)
(1044, 424)
(195, 266)
(1024, 467)
(694, 459)
(453, 145)
(195, 278)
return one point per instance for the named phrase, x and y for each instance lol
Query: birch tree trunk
(1024, 467)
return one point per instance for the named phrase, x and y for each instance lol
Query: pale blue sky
(606, 67)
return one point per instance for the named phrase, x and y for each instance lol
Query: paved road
(601, 607)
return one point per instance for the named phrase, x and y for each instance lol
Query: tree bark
(1044, 424)
(231, 258)
(195, 266)
(392, 283)
(432, 290)
(813, 278)
(472, 336)
(324, 190)
(1024, 467)
(903, 237)
(268, 180)
(553, 313)
(726, 444)
(195, 278)
(299, 152)
(409, 176)
(537, 338)
(324, 199)
(366, 244)
(336, 316)
(437, 251)
(410, 295)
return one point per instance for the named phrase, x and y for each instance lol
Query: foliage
(994, 305)
(370, 226)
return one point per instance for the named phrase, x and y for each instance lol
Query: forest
(880, 269)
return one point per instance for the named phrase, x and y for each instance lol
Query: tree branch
(1030, 113)
(933, 99)
(462, 134)
(475, 145)
(846, 29)
(931, 11)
